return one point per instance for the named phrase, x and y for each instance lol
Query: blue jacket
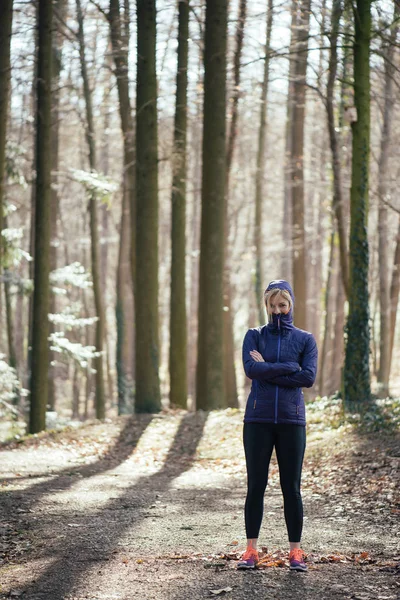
(291, 358)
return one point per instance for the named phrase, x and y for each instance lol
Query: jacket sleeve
(262, 370)
(306, 376)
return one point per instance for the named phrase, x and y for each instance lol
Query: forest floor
(151, 507)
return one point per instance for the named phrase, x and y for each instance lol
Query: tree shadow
(126, 441)
(75, 555)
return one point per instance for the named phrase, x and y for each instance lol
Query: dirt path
(151, 507)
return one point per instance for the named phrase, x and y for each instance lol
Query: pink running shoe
(296, 559)
(249, 559)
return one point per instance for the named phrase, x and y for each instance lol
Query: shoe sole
(239, 567)
(298, 569)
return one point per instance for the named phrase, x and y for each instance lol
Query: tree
(40, 310)
(302, 18)
(287, 254)
(356, 368)
(231, 393)
(120, 35)
(178, 327)
(338, 199)
(258, 242)
(209, 374)
(94, 235)
(388, 51)
(59, 9)
(6, 15)
(147, 397)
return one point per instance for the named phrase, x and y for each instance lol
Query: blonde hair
(270, 294)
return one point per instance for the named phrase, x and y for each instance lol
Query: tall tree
(94, 234)
(338, 200)
(286, 264)
(178, 327)
(59, 9)
(120, 35)
(262, 132)
(147, 398)
(302, 12)
(231, 394)
(356, 370)
(209, 374)
(6, 15)
(40, 310)
(388, 50)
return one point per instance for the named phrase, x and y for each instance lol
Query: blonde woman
(280, 359)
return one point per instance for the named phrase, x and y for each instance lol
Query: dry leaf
(221, 591)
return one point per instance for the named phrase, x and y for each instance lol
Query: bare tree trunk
(40, 321)
(315, 243)
(94, 233)
(231, 393)
(194, 253)
(258, 242)
(338, 200)
(394, 291)
(297, 166)
(384, 291)
(124, 309)
(6, 16)
(324, 372)
(75, 393)
(147, 341)
(210, 393)
(287, 267)
(58, 38)
(178, 320)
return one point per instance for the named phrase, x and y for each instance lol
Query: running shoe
(296, 559)
(249, 559)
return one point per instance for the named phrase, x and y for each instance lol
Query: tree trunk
(210, 392)
(297, 166)
(394, 291)
(40, 311)
(6, 15)
(178, 325)
(58, 39)
(94, 231)
(338, 334)
(194, 250)
(384, 291)
(324, 361)
(231, 393)
(287, 267)
(146, 270)
(338, 199)
(356, 372)
(124, 309)
(258, 241)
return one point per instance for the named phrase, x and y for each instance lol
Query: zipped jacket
(291, 358)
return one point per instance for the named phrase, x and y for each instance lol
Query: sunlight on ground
(147, 458)
(23, 575)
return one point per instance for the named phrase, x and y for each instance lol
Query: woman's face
(278, 304)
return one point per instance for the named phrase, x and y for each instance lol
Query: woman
(280, 359)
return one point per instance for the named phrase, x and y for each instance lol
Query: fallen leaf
(221, 591)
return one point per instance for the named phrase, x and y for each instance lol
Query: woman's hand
(256, 356)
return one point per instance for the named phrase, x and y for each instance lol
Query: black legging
(290, 443)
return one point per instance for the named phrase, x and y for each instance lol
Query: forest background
(162, 166)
